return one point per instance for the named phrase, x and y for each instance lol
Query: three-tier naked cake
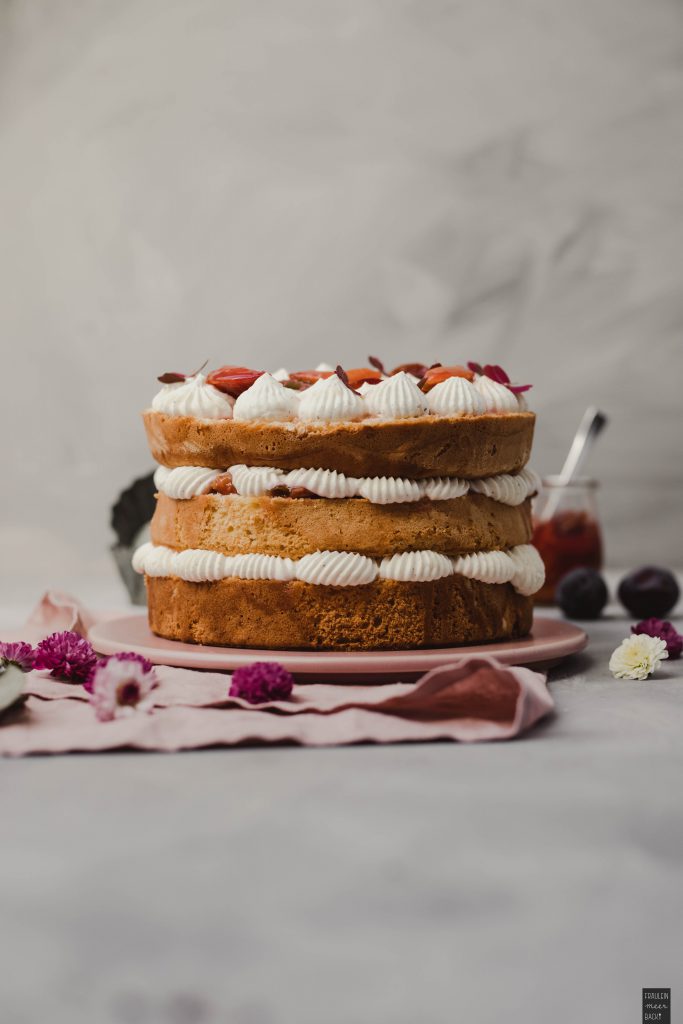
(341, 510)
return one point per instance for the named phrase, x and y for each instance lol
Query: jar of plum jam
(566, 530)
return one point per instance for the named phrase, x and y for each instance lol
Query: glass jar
(566, 530)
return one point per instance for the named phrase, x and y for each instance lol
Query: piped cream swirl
(156, 560)
(389, 490)
(266, 399)
(521, 566)
(445, 488)
(193, 397)
(455, 396)
(529, 574)
(329, 400)
(326, 483)
(336, 569)
(184, 482)
(262, 567)
(507, 488)
(254, 481)
(416, 566)
(396, 398)
(496, 397)
(486, 566)
(197, 566)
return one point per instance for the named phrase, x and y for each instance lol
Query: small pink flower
(665, 631)
(261, 682)
(20, 654)
(121, 686)
(67, 655)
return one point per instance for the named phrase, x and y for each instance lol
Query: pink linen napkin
(476, 698)
(54, 613)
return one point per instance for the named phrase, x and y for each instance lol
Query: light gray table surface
(532, 881)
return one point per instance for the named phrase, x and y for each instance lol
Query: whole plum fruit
(649, 592)
(582, 594)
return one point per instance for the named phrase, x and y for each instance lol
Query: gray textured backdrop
(303, 180)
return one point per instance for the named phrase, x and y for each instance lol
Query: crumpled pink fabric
(54, 613)
(476, 698)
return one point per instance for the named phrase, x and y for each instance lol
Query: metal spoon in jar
(592, 422)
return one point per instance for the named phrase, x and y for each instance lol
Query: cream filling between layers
(254, 481)
(521, 566)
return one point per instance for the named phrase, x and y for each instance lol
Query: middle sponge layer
(293, 527)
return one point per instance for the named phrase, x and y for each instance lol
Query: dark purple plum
(582, 594)
(649, 592)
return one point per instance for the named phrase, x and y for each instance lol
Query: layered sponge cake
(341, 511)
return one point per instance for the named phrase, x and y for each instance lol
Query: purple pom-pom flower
(122, 686)
(67, 655)
(665, 631)
(262, 682)
(20, 654)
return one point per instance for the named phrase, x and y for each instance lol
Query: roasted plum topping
(436, 374)
(223, 485)
(233, 380)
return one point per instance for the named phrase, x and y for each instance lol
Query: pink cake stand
(551, 640)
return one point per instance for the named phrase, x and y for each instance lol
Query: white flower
(122, 686)
(637, 657)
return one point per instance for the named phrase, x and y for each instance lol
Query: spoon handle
(590, 426)
(592, 422)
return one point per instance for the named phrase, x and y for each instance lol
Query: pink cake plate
(551, 640)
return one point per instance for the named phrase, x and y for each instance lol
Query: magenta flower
(122, 686)
(20, 654)
(665, 631)
(67, 655)
(261, 682)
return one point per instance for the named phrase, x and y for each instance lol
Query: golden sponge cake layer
(427, 446)
(293, 527)
(382, 615)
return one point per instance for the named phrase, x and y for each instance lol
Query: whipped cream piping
(326, 483)
(508, 488)
(156, 560)
(388, 490)
(486, 566)
(396, 398)
(254, 481)
(455, 396)
(188, 483)
(529, 575)
(496, 397)
(193, 397)
(329, 400)
(336, 569)
(416, 566)
(266, 399)
(522, 566)
(444, 488)
(196, 566)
